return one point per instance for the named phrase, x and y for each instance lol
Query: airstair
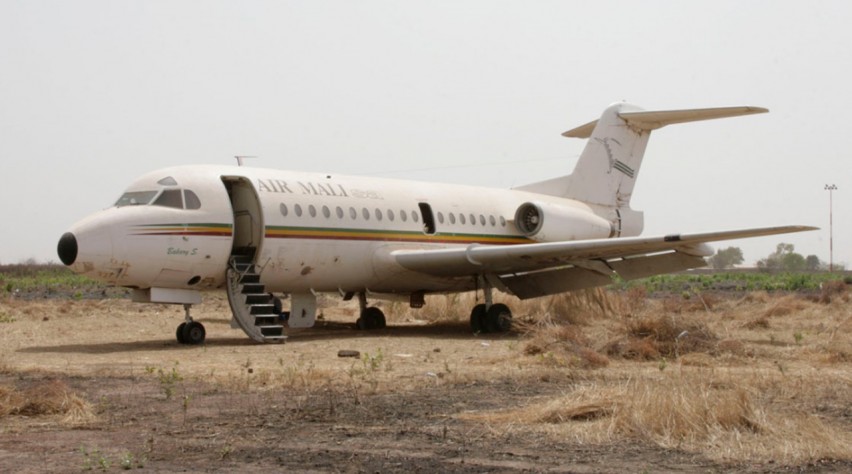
(252, 307)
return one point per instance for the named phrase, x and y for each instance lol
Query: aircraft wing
(531, 270)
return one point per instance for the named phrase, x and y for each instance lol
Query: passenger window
(482, 220)
(452, 218)
(378, 214)
(283, 209)
(339, 212)
(403, 215)
(365, 213)
(502, 221)
(326, 212)
(462, 219)
(312, 210)
(415, 217)
(492, 220)
(472, 219)
(390, 215)
(298, 210)
(191, 199)
(353, 213)
(170, 198)
(440, 217)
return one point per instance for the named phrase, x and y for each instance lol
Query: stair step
(267, 333)
(266, 319)
(258, 298)
(250, 278)
(261, 309)
(253, 288)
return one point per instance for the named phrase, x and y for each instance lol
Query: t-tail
(606, 172)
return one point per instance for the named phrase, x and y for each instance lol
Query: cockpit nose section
(67, 248)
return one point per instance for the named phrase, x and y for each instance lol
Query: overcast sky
(96, 93)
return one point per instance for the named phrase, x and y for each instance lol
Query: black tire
(179, 333)
(372, 318)
(359, 324)
(477, 319)
(194, 333)
(499, 318)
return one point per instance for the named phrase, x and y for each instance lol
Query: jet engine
(546, 222)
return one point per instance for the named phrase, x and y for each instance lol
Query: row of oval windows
(403, 215)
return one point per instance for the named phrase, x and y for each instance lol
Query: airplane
(179, 231)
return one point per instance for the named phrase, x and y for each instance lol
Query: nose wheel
(190, 332)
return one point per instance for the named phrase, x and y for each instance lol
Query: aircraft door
(248, 217)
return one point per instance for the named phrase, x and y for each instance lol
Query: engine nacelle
(545, 222)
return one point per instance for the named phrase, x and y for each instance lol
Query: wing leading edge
(531, 270)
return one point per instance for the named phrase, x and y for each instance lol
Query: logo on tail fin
(614, 163)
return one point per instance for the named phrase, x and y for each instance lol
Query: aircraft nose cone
(67, 248)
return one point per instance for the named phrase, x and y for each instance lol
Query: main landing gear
(372, 317)
(189, 331)
(490, 317)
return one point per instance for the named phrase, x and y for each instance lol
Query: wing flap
(550, 282)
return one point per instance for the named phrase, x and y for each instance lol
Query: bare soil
(418, 399)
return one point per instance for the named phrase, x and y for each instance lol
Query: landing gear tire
(193, 333)
(371, 318)
(477, 319)
(498, 318)
(179, 333)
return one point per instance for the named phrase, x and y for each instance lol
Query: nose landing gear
(190, 332)
(371, 317)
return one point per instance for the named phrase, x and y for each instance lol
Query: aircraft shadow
(324, 332)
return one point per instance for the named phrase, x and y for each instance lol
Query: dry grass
(667, 335)
(722, 416)
(734, 380)
(754, 378)
(46, 399)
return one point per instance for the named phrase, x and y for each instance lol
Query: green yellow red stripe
(202, 229)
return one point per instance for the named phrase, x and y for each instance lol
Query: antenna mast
(240, 158)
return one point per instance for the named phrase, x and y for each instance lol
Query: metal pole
(830, 188)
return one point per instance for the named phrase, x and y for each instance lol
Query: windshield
(136, 198)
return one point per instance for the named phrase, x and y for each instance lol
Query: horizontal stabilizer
(654, 119)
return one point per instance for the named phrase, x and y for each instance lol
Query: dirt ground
(419, 398)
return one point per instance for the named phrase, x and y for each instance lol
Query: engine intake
(546, 222)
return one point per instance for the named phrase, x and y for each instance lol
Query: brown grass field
(597, 381)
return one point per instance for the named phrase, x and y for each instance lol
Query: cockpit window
(174, 198)
(136, 198)
(170, 198)
(191, 200)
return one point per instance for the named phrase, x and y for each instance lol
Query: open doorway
(248, 217)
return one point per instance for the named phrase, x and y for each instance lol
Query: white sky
(96, 93)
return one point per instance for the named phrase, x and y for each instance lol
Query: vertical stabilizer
(609, 165)
(607, 169)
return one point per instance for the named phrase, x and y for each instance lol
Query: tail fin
(609, 165)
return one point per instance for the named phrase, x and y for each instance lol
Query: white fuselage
(178, 227)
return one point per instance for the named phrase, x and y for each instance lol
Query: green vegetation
(684, 283)
(42, 278)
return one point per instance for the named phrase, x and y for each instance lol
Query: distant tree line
(784, 258)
